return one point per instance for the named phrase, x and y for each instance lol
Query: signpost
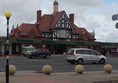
(116, 25)
(114, 18)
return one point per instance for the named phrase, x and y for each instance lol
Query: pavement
(66, 77)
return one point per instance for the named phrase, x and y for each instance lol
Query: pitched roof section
(14, 30)
(56, 18)
(49, 21)
(80, 30)
(26, 27)
(45, 23)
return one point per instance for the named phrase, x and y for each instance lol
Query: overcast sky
(91, 14)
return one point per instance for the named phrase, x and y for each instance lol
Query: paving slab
(65, 77)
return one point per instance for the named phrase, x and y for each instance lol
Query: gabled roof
(49, 21)
(13, 31)
(56, 18)
(45, 23)
(80, 30)
(35, 30)
(24, 27)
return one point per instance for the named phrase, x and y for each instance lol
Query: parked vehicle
(40, 53)
(27, 49)
(84, 55)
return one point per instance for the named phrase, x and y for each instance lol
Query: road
(58, 63)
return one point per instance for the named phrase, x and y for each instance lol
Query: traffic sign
(115, 17)
(116, 25)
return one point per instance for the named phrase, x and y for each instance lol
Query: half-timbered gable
(63, 29)
(63, 22)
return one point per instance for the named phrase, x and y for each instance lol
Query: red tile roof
(48, 22)
(35, 30)
(24, 29)
(17, 30)
(80, 30)
(56, 18)
(45, 23)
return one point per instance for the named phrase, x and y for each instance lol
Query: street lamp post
(7, 15)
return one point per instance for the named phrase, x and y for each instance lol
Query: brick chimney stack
(39, 12)
(71, 17)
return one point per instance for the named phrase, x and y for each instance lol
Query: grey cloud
(25, 11)
(80, 2)
(112, 36)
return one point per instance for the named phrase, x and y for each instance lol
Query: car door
(94, 55)
(86, 55)
(39, 53)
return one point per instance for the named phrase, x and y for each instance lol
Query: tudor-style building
(54, 31)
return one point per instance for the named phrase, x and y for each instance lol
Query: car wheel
(47, 56)
(102, 61)
(44, 56)
(33, 57)
(29, 57)
(80, 61)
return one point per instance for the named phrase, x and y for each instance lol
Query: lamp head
(8, 14)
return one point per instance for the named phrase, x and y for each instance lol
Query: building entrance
(60, 49)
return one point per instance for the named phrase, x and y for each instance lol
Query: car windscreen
(70, 51)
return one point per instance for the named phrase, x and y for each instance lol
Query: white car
(84, 55)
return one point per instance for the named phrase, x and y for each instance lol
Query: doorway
(60, 49)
